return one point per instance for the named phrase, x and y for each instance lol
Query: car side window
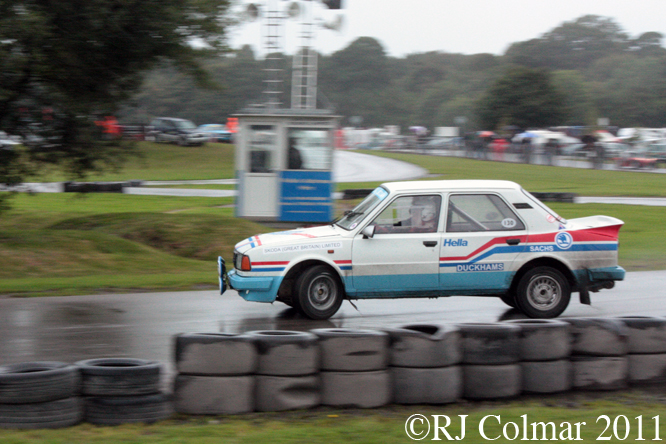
(480, 212)
(410, 214)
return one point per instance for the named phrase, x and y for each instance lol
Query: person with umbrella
(550, 149)
(595, 151)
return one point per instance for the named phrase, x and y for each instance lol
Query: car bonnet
(292, 237)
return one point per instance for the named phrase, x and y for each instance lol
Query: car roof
(454, 185)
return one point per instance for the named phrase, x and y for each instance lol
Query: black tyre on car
(543, 292)
(318, 292)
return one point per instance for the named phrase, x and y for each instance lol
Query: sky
(468, 27)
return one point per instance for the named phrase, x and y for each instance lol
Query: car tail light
(246, 265)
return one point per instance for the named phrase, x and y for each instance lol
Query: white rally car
(431, 239)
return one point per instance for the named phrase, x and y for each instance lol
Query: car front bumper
(250, 288)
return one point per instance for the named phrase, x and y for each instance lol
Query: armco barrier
(276, 370)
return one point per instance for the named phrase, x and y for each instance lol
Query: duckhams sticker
(480, 267)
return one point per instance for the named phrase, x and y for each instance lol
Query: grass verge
(79, 244)
(387, 425)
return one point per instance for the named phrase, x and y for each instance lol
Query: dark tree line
(579, 71)
(64, 64)
(67, 63)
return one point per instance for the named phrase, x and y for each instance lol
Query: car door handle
(430, 243)
(513, 241)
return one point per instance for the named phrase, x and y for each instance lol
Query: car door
(482, 238)
(403, 254)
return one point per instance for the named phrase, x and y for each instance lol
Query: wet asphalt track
(142, 325)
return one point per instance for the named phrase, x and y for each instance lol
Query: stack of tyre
(287, 370)
(545, 347)
(215, 373)
(490, 360)
(599, 353)
(123, 390)
(38, 395)
(647, 349)
(424, 364)
(354, 367)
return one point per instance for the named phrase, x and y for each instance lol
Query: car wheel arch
(544, 262)
(296, 269)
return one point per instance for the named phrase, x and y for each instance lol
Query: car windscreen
(184, 124)
(351, 219)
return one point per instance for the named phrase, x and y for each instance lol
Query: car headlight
(242, 262)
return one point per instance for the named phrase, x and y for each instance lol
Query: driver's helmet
(428, 208)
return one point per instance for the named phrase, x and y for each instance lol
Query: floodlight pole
(273, 70)
(304, 66)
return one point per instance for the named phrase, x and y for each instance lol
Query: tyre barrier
(286, 353)
(432, 385)
(599, 353)
(214, 373)
(345, 349)
(287, 370)
(425, 345)
(647, 349)
(545, 346)
(280, 393)
(94, 187)
(490, 343)
(490, 360)
(469, 362)
(122, 390)
(37, 395)
(424, 363)
(119, 377)
(352, 358)
(207, 354)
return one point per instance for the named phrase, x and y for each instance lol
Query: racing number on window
(480, 212)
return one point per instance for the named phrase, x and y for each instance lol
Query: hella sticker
(455, 243)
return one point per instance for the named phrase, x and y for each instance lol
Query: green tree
(578, 107)
(572, 45)
(524, 97)
(635, 94)
(66, 62)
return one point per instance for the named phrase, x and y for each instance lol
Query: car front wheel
(319, 292)
(543, 292)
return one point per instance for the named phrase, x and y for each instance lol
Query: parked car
(180, 131)
(216, 132)
(432, 239)
(7, 141)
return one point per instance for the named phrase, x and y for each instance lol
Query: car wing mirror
(368, 232)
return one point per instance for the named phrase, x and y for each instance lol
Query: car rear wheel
(318, 292)
(543, 292)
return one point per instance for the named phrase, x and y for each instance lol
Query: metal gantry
(304, 68)
(274, 70)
